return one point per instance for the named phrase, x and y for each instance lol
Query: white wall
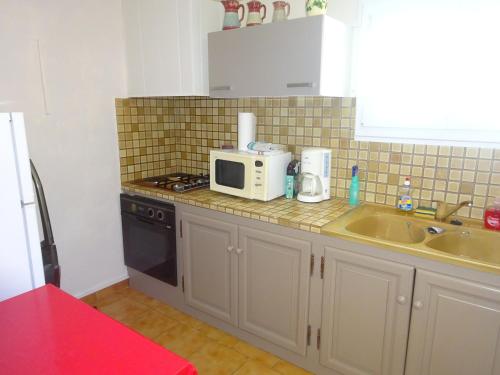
(67, 96)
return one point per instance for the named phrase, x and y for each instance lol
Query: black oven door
(230, 173)
(149, 247)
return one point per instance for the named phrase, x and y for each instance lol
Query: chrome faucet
(443, 209)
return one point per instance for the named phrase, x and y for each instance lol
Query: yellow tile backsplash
(167, 134)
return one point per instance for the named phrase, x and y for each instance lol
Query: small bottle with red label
(492, 216)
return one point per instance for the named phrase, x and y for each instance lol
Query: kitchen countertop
(287, 212)
(312, 217)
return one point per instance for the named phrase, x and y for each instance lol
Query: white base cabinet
(251, 278)
(273, 277)
(455, 327)
(336, 307)
(210, 267)
(366, 312)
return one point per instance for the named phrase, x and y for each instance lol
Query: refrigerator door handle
(42, 204)
(49, 250)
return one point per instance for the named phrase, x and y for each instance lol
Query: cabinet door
(365, 316)
(210, 266)
(152, 47)
(247, 62)
(455, 327)
(274, 287)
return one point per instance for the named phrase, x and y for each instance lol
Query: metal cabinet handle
(401, 300)
(230, 248)
(299, 84)
(418, 305)
(239, 251)
(221, 88)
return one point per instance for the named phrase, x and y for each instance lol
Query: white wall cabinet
(455, 328)
(166, 45)
(250, 278)
(366, 313)
(305, 56)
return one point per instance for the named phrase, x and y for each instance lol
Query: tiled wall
(162, 135)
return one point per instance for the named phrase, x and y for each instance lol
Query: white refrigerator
(21, 264)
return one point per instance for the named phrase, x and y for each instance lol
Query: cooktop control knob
(160, 215)
(151, 212)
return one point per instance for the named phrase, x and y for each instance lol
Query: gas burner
(178, 182)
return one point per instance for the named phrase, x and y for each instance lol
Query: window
(428, 71)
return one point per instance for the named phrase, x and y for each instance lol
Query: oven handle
(146, 221)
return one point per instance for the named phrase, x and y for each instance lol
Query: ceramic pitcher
(281, 11)
(316, 7)
(232, 20)
(254, 10)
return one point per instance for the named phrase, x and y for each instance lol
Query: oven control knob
(151, 212)
(258, 163)
(160, 215)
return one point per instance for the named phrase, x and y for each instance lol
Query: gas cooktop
(178, 182)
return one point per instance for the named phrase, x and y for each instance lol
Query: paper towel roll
(246, 129)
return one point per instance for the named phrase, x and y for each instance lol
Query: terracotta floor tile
(253, 367)
(286, 368)
(216, 358)
(91, 299)
(168, 310)
(182, 340)
(210, 332)
(211, 350)
(111, 294)
(228, 340)
(142, 298)
(124, 309)
(252, 352)
(151, 323)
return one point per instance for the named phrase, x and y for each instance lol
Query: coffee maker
(314, 185)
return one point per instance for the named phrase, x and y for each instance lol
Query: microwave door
(230, 174)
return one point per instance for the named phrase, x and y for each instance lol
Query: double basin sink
(467, 245)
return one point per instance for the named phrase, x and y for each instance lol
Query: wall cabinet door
(455, 328)
(166, 45)
(274, 287)
(365, 315)
(210, 266)
(306, 56)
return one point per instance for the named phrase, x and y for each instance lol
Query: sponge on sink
(427, 212)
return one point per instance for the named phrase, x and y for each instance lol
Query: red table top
(47, 331)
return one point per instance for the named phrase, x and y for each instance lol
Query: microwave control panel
(258, 176)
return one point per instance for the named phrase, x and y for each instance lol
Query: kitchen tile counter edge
(290, 213)
(311, 217)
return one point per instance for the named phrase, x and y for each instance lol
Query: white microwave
(248, 175)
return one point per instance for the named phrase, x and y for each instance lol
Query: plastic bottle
(492, 215)
(290, 180)
(354, 189)
(405, 203)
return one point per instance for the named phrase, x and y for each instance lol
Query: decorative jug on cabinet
(281, 11)
(316, 7)
(232, 19)
(254, 17)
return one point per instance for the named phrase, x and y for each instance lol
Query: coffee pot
(314, 185)
(254, 11)
(232, 19)
(281, 11)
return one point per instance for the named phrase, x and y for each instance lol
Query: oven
(149, 237)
